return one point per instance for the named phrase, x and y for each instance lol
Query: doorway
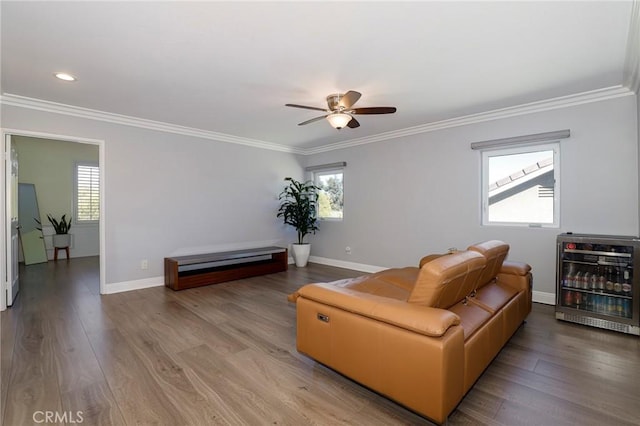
(61, 155)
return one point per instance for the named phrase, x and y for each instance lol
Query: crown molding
(529, 108)
(92, 114)
(632, 60)
(497, 114)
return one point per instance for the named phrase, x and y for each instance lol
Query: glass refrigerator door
(597, 278)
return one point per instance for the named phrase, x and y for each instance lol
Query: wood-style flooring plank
(291, 386)
(33, 380)
(8, 330)
(229, 396)
(95, 403)
(92, 314)
(138, 395)
(76, 364)
(542, 391)
(202, 304)
(172, 379)
(253, 330)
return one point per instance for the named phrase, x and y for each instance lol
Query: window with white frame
(331, 193)
(87, 193)
(520, 185)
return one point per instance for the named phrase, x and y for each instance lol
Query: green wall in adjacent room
(49, 165)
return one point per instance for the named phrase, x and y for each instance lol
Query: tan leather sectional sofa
(420, 336)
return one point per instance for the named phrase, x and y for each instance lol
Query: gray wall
(168, 194)
(411, 196)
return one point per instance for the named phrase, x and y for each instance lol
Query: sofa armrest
(516, 275)
(512, 267)
(424, 320)
(293, 297)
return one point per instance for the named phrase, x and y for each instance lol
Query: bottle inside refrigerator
(597, 281)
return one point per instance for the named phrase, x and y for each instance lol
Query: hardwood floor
(225, 354)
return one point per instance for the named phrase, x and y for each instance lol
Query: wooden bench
(211, 268)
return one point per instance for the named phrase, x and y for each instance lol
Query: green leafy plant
(298, 207)
(62, 226)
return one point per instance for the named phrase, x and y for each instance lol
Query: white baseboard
(134, 285)
(542, 297)
(347, 265)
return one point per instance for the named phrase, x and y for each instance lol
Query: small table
(55, 252)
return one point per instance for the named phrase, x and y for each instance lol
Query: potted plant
(61, 238)
(298, 208)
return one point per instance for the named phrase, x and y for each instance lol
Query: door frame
(3, 200)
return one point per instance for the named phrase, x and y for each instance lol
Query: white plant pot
(61, 240)
(301, 254)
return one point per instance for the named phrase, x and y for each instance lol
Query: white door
(11, 188)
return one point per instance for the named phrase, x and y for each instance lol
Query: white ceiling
(229, 67)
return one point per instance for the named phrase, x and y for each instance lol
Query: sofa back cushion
(445, 281)
(495, 252)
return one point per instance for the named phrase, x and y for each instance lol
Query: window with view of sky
(519, 186)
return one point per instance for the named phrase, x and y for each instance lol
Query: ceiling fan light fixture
(338, 120)
(340, 110)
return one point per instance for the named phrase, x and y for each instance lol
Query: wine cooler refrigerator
(598, 282)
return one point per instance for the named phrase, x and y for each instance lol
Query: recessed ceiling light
(64, 76)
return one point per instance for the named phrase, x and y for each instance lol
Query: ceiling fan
(340, 111)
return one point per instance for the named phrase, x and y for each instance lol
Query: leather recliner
(420, 336)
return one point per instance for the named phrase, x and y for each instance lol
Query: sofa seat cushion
(376, 285)
(481, 347)
(392, 283)
(445, 281)
(472, 317)
(404, 278)
(494, 296)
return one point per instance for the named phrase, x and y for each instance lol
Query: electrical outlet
(347, 250)
(144, 264)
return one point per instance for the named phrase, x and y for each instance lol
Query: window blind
(87, 193)
(521, 140)
(339, 165)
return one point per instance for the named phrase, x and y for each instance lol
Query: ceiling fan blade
(374, 110)
(306, 107)
(353, 123)
(349, 98)
(312, 120)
